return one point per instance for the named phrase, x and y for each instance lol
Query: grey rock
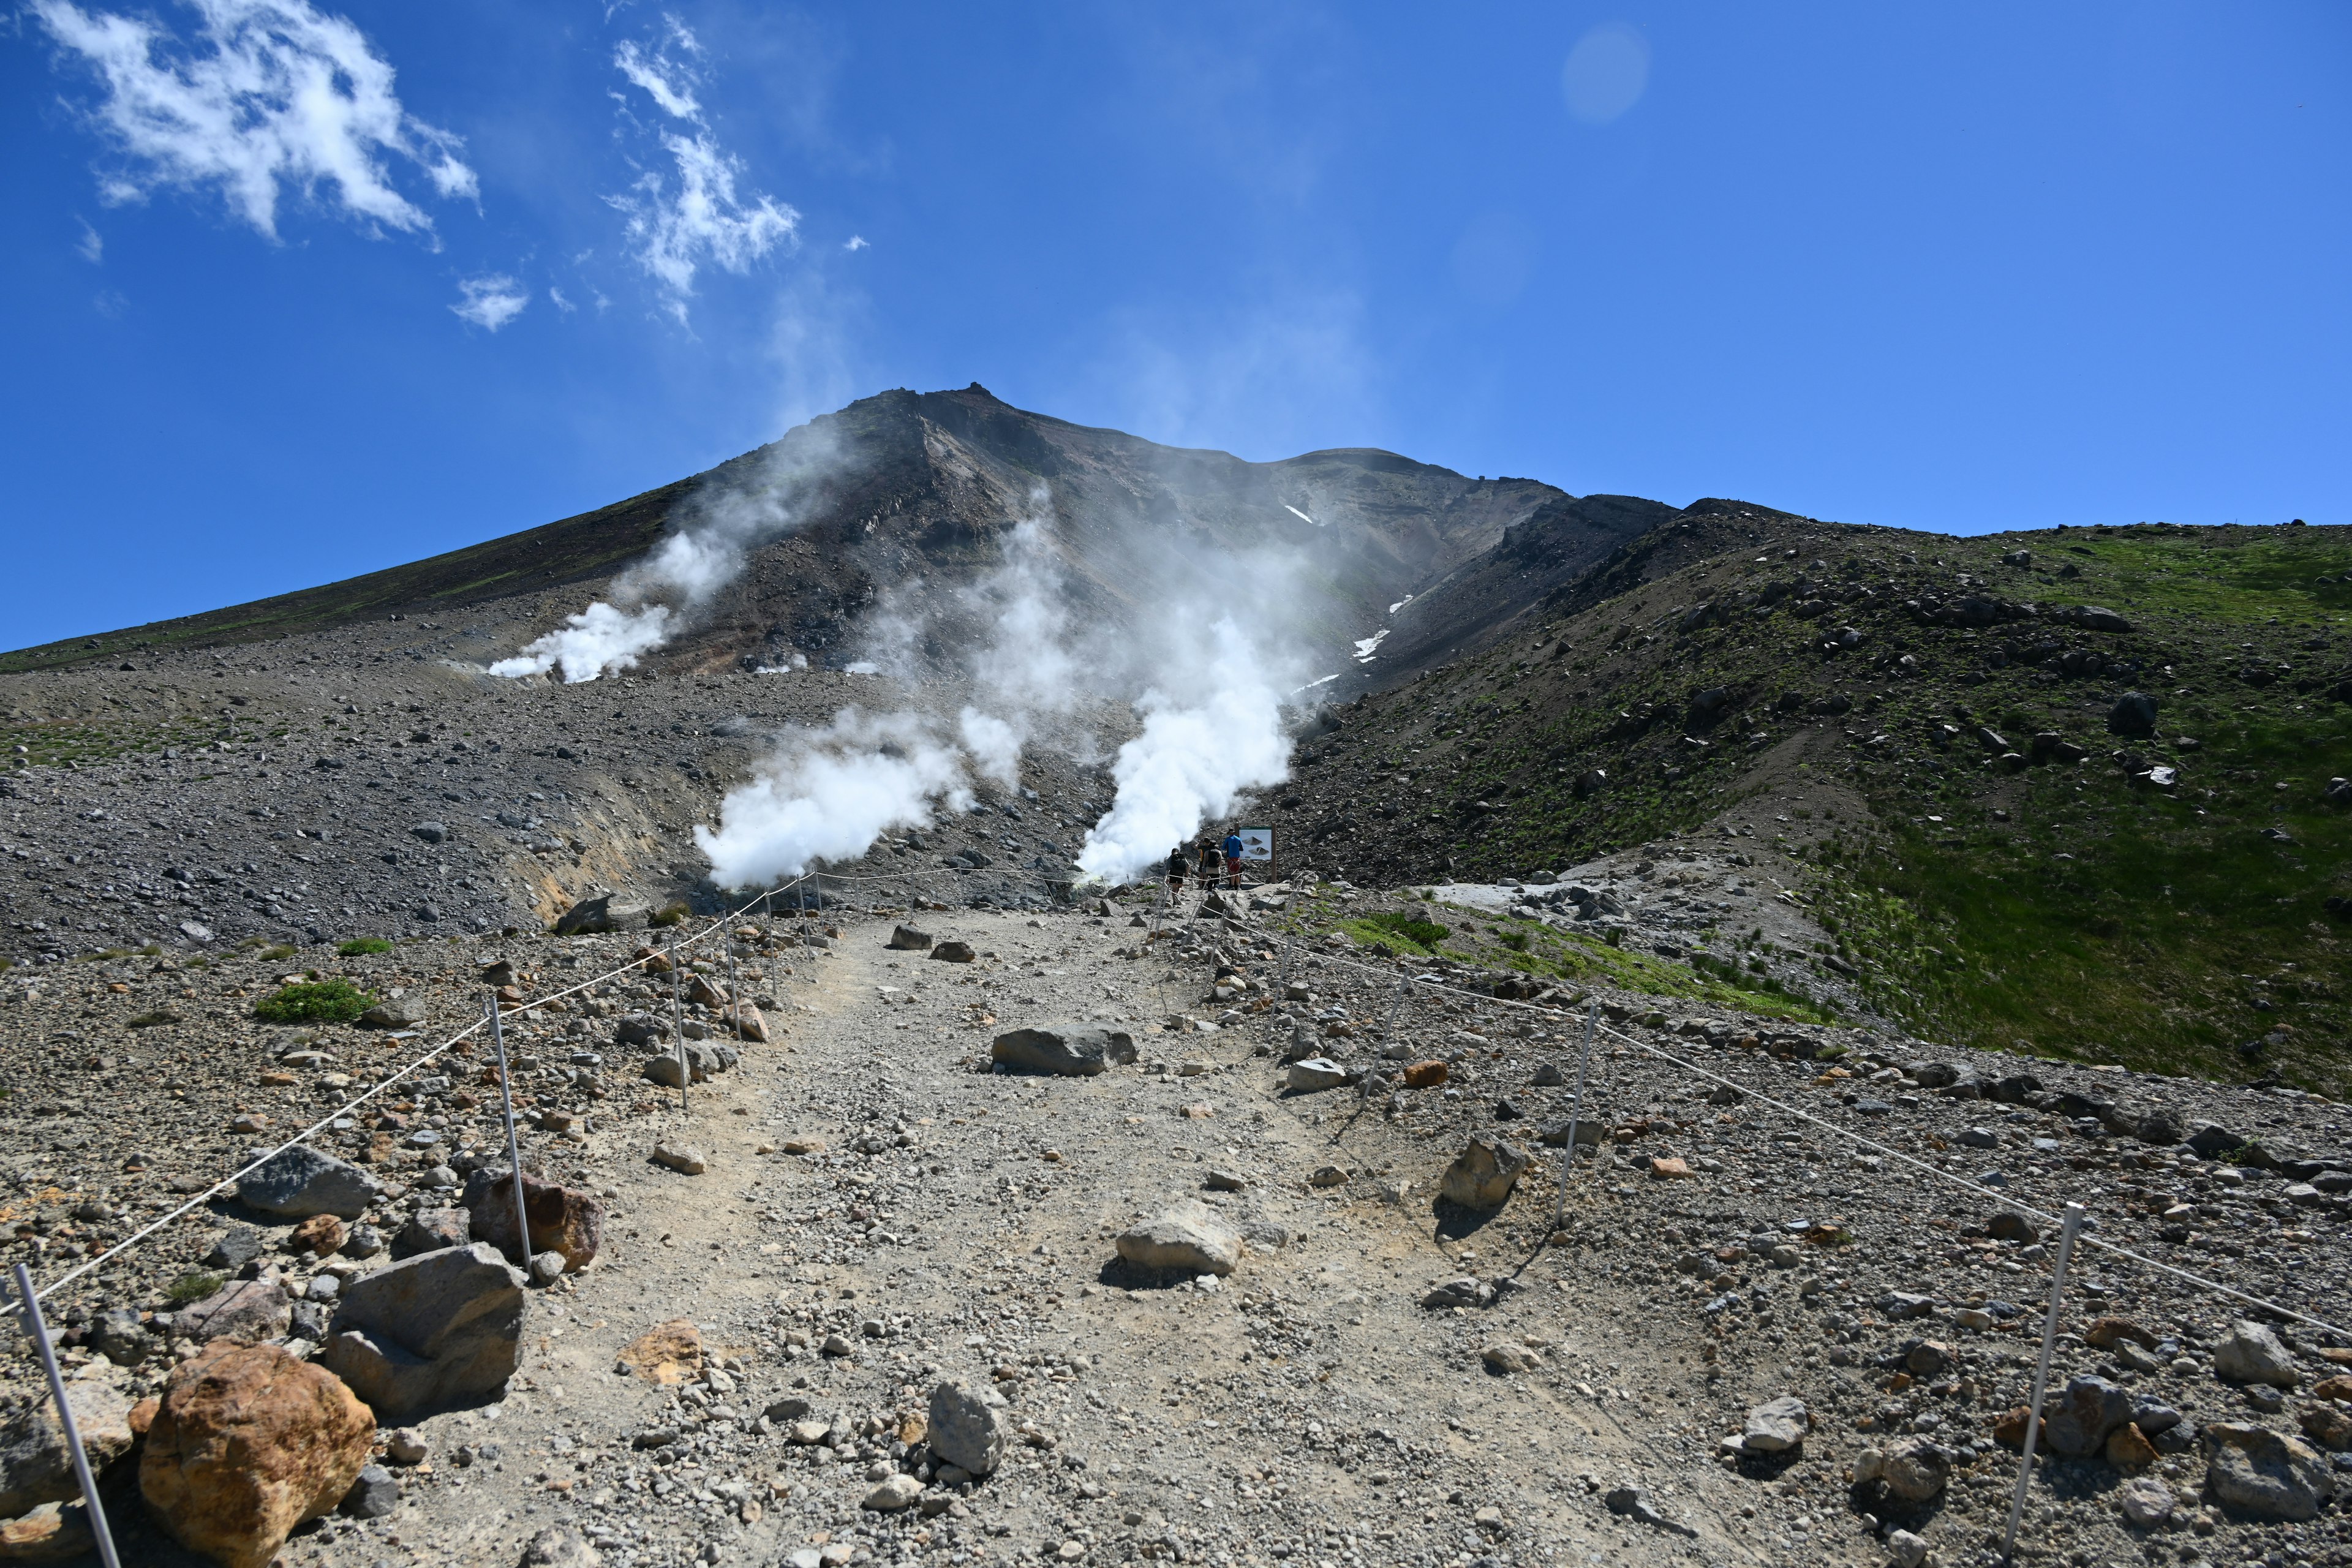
(432, 1230)
(1633, 1503)
(431, 832)
(683, 1158)
(2267, 1474)
(1064, 1050)
(35, 1468)
(1913, 1469)
(1186, 1238)
(1776, 1425)
(1483, 1174)
(2252, 1353)
(234, 1248)
(954, 951)
(1466, 1291)
(395, 1013)
(560, 1546)
(2084, 1414)
(1314, 1074)
(2146, 1502)
(2133, 714)
(429, 1331)
(2010, 1225)
(374, 1495)
(605, 913)
(250, 1310)
(967, 1427)
(121, 1337)
(1504, 1358)
(300, 1182)
(907, 938)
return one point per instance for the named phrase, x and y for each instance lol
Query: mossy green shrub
(335, 1001)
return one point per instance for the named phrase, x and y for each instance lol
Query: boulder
(395, 1013)
(2266, 1474)
(907, 938)
(247, 1309)
(2329, 1425)
(684, 1158)
(429, 1331)
(430, 1230)
(954, 952)
(2252, 1353)
(704, 1060)
(53, 1532)
(2010, 1225)
(967, 1427)
(1315, 1074)
(561, 1219)
(35, 1468)
(2077, 1423)
(752, 1025)
(1913, 1468)
(2146, 1503)
(605, 913)
(1776, 1425)
(1066, 1051)
(299, 1182)
(1483, 1173)
(1503, 1358)
(375, 1492)
(1187, 1239)
(897, 1493)
(1425, 1074)
(121, 1337)
(2134, 714)
(560, 1546)
(248, 1443)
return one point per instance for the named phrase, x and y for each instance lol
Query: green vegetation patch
(335, 1001)
(359, 945)
(193, 1285)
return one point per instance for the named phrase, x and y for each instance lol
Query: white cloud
(269, 93)
(91, 245)
(561, 304)
(858, 242)
(669, 85)
(676, 229)
(490, 300)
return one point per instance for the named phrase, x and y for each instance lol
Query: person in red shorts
(1233, 859)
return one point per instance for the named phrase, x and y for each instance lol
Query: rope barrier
(1974, 1188)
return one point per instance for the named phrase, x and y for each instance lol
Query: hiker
(1207, 869)
(1176, 874)
(1233, 859)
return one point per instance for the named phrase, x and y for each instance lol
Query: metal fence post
(1388, 1026)
(2067, 1235)
(514, 1148)
(1283, 978)
(734, 992)
(678, 1019)
(29, 1307)
(1576, 1113)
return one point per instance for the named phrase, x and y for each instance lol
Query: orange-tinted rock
(1669, 1170)
(755, 1027)
(2010, 1430)
(563, 1219)
(667, 1353)
(1424, 1075)
(52, 1533)
(2106, 1332)
(249, 1443)
(322, 1233)
(2128, 1448)
(2333, 1388)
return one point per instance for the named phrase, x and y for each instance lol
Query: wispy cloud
(267, 94)
(91, 245)
(858, 242)
(491, 301)
(555, 297)
(696, 217)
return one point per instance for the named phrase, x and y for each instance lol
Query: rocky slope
(865, 1212)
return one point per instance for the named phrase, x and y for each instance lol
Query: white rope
(1976, 1189)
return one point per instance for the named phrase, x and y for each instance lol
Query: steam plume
(827, 795)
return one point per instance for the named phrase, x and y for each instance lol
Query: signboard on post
(1257, 848)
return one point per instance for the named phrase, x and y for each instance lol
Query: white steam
(1207, 683)
(827, 795)
(690, 567)
(1197, 755)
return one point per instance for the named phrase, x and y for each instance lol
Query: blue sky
(294, 293)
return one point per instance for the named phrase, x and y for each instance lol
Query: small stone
(547, 1267)
(1669, 1170)
(2252, 1353)
(374, 1495)
(1315, 1074)
(406, 1445)
(1905, 1550)
(1504, 1358)
(1483, 1174)
(967, 1428)
(952, 952)
(1776, 1425)
(2108, 1332)
(2010, 1225)
(683, 1158)
(2145, 1502)
(1218, 1181)
(1186, 1238)
(322, 1235)
(1328, 1176)
(1425, 1074)
(560, 1546)
(2130, 1449)
(896, 1492)
(2079, 1421)
(1928, 1358)
(2329, 1425)
(1913, 1469)
(907, 938)
(2265, 1473)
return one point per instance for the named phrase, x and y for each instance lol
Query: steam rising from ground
(653, 600)
(1207, 683)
